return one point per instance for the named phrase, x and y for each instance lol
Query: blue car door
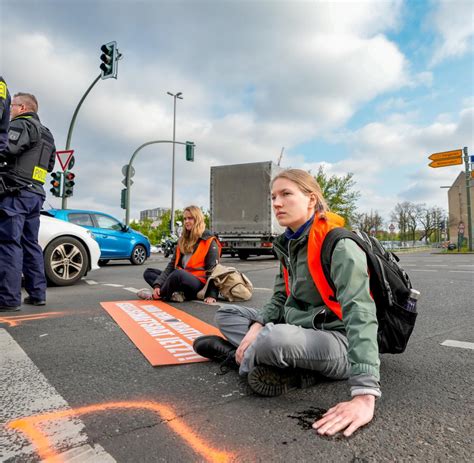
(112, 239)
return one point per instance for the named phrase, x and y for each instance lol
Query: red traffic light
(70, 176)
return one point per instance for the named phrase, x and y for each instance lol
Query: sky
(367, 87)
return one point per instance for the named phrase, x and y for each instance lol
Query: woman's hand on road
(347, 415)
(248, 339)
(210, 300)
(156, 293)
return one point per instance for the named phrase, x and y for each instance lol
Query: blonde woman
(195, 255)
(296, 338)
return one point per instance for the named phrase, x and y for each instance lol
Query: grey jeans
(284, 345)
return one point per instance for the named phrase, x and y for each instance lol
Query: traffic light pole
(129, 177)
(71, 127)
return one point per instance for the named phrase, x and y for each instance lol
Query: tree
(368, 222)
(339, 193)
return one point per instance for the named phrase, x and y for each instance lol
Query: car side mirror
(125, 228)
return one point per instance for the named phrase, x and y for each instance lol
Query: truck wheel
(243, 255)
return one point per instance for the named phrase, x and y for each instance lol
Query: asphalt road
(74, 387)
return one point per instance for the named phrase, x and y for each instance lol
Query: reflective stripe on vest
(196, 264)
(321, 226)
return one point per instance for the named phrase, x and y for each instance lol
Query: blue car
(116, 240)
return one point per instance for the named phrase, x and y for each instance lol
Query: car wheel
(65, 261)
(243, 255)
(138, 256)
(103, 262)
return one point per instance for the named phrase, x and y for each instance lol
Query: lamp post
(175, 96)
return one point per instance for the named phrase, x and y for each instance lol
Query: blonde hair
(189, 238)
(307, 184)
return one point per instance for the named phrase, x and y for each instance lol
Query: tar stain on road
(306, 418)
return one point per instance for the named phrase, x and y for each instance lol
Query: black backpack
(389, 284)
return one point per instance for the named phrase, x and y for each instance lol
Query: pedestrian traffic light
(189, 151)
(123, 199)
(56, 182)
(69, 184)
(109, 58)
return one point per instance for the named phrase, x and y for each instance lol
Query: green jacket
(305, 307)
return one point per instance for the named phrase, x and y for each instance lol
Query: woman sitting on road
(196, 254)
(295, 337)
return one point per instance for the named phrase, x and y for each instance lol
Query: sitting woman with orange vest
(196, 254)
(307, 330)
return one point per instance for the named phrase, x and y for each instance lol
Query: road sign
(446, 155)
(125, 169)
(446, 162)
(391, 228)
(64, 158)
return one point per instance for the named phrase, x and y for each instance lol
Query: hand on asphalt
(348, 416)
(210, 300)
(156, 293)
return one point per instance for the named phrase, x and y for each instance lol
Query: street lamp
(175, 96)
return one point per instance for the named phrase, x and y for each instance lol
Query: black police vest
(32, 165)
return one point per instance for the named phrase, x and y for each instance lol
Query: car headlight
(91, 234)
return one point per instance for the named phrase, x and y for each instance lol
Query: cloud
(453, 20)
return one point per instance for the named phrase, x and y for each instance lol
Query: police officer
(5, 101)
(29, 156)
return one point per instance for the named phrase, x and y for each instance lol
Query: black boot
(271, 381)
(216, 348)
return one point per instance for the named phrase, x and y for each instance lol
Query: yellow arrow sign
(446, 162)
(446, 155)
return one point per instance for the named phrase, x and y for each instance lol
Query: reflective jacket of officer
(30, 154)
(5, 101)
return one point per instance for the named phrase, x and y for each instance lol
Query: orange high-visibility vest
(196, 264)
(321, 226)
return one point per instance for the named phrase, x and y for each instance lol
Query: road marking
(461, 344)
(26, 392)
(113, 285)
(91, 282)
(422, 270)
(409, 265)
(436, 265)
(461, 271)
(132, 290)
(264, 289)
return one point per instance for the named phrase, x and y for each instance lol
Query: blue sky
(371, 88)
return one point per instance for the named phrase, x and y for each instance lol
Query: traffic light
(123, 199)
(69, 184)
(56, 182)
(189, 151)
(109, 58)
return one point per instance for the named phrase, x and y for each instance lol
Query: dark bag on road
(389, 284)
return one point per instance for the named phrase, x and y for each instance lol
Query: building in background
(153, 214)
(457, 205)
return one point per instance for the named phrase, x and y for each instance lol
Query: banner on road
(162, 333)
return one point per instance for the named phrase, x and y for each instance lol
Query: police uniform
(30, 155)
(5, 101)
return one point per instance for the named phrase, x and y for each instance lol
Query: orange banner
(162, 333)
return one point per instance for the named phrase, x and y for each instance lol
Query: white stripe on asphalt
(264, 289)
(462, 271)
(422, 270)
(113, 285)
(91, 282)
(132, 290)
(24, 391)
(436, 265)
(461, 344)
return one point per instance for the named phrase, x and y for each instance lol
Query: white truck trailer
(241, 208)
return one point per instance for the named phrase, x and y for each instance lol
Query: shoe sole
(272, 382)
